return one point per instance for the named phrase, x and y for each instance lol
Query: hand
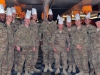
(34, 49)
(68, 49)
(79, 47)
(18, 48)
(54, 50)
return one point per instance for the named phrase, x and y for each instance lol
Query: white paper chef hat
(60, 20)
(50, 12)
(2, 9)
(34, 11)
(88, 15)
(68, 19)
(13, 10)
(8, 12)
(77, 17)
(28, 14)
(58, 17)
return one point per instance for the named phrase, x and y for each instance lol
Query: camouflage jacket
(3, 36)
(47, 29)
(59, 39)
(91, 32)
(25, 37)
(36, 27)
(80, 36)
(15, 24)
(10, 35)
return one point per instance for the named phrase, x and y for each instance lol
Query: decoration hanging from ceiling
(76, 12)
(42, 15)
(22, 15)
(3, 2)
(86, 9)
(18, 10)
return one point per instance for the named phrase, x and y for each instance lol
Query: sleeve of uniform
(40, 31)
(17, 38)
(84, 42)
(68, 40)
(53, 41)
(35, 38)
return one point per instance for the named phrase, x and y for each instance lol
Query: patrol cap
(97, 19)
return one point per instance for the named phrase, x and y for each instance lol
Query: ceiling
(57, 6)
(95, 7)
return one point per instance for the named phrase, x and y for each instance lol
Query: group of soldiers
(68, 47)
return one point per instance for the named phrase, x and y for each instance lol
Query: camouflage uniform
(90, 30)
(26, 40)
(80, 56)
(35, 27)
(47, 30)
(70, 53)
(96, 51)
(10, 48)
(15, 25)
(3, 49)
(59, 43)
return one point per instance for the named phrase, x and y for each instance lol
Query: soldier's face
(14, 15)
(9, 18)
(87, 21)
(78, 22)
(50, 18)
(60, 26)
(2, 17)
(34, 17)
(69, 24)
(27, 21)
(98, 24)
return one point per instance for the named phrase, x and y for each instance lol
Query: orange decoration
(18, 10)
(76, 12)
(42, 15)
(86, 9)
(22, 15)
(3, 2)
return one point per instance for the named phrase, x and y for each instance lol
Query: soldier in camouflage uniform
(3, 49)
(90, 29)
(10, 36)
(69, 30)
(25, 43)
(2, 15)
(15, 25)
(47, 28)
(96, 50)
(3, 45)
(59, 39)
(80, 43)
(35, 27)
